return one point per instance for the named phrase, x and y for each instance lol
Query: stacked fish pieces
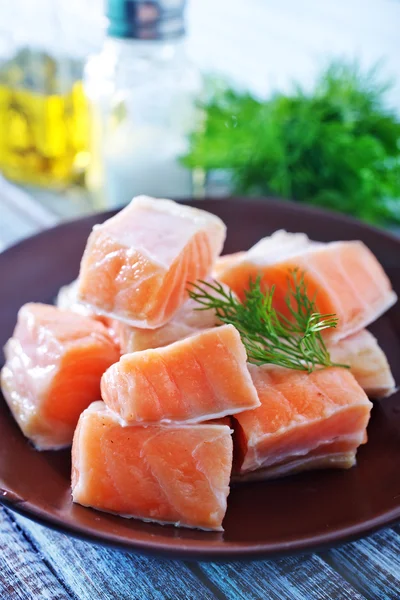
(164, 431)
(315, 420)
(159, 448)
(305, 421)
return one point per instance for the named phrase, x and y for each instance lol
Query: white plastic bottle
(142, 92)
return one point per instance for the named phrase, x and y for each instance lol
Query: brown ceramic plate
(299, 513)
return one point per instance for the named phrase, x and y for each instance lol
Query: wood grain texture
(36, 562)
(294, 578)
(93, 572)
(371, 564)
(23, 572)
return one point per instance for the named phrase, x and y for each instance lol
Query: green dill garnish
(269, 336)
(336, 145)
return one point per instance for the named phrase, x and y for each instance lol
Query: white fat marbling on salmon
(299, 414)
(281, 245)
(202, 377)
(337, 460)
(54, 363)
(136, 266)
(166, 227)
(187, 321)
(344, 277)
(135, 477)
(367, 362)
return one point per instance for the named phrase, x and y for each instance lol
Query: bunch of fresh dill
(270, 337)
(337, 146)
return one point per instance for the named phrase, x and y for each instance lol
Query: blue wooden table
(38, 563)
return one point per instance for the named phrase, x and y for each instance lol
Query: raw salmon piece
(339, 460)
(136, 265)
(367, 361)
(54, 363)
(186, 322)
(200, 378)
(324, 413)
(178, 475)
(345, 276)
(67, 299)
(225, 261)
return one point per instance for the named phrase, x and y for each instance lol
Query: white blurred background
(262, 44)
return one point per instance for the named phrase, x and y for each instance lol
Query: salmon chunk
(367, 361)
(314, 461)
(178, 475)
(187, 321)
(304, 419)
(202, 377)
(136, 266)
(346, 277)
(54, 363)
(226, 261)
(67, 299)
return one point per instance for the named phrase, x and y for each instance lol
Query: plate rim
(274, 201)
(238, 550)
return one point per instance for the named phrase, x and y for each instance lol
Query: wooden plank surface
(93, 572)
(85, 572)
(293, 578)
(371, 564)
(36, 562)
(24, 573)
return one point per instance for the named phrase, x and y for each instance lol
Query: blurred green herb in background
(337, 146)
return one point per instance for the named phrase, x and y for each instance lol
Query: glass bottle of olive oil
(43, 119)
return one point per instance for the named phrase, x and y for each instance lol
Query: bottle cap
(146, 19)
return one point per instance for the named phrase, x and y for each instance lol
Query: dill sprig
(268, 335)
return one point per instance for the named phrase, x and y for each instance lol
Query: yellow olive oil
(43, 126)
